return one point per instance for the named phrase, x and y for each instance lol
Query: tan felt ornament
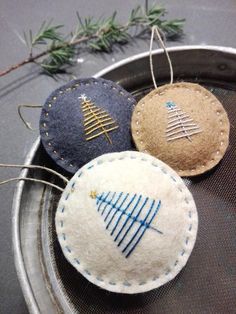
(183, 124)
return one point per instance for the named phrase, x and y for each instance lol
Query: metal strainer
(208, 282)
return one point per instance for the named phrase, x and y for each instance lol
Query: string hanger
(26, 123)
(158, 32)
(32, 179)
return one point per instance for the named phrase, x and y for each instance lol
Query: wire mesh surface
(208, 282)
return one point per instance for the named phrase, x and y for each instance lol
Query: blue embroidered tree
(127, 217)
(180, 124)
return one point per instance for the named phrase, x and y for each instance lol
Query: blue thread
(190, 214)
(127, 284)
(170, 104)
(61, 223)
(64, 236)
(122, 213)
(118, 220)
(155, 165)
(113, 206)
(99, 279)
(103, 200)
(187, 239)
(142, 283)
(173, 178)
(90, 167)
(67, 196)
(190, 227)
(164, 170)
(132, 223)
(77, 261)
(182, 253)
(108, 203)
(62, 210)
(68, 249)
(144, 230)
(112, 283)
(176, 263)
(99, 198)
(79, 175)
(117, 210)
(73, 185)
(87, 272)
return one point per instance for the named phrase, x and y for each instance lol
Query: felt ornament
(183, 124)
(127, 222)
(84, 119)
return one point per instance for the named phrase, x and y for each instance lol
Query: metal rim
(18, 256)
(160, 51)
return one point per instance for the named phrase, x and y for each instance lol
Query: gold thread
(97, 119)
(93, 194)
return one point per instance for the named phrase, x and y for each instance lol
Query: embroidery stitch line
(96, 120)
(112, 206)
(99, 162)
(179, 125)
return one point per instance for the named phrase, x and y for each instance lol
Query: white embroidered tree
(96, 120)
(179, 124)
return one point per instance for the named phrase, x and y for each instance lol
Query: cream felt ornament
(183, 124)
(127, 222)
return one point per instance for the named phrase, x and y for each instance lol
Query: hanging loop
(157, 31)
(32, 179)
(36, 167)
(26, 123)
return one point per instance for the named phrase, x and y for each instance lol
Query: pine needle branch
(97, 35)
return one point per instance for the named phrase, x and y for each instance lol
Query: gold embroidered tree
(96, 120)
(179, 124)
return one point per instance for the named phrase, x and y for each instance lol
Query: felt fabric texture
(188, 157)
(62, 127)
(86, 217)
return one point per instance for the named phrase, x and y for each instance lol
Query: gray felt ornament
(84, 119)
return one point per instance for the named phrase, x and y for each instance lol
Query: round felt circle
(127, 222)
(184, 125)
(84, 119)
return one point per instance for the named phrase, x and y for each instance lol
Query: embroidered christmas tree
(127, 217)
(179, 124)
(96, 120)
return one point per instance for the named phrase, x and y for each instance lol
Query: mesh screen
(208, 282)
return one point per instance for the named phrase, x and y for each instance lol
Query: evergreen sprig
(98, 35)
